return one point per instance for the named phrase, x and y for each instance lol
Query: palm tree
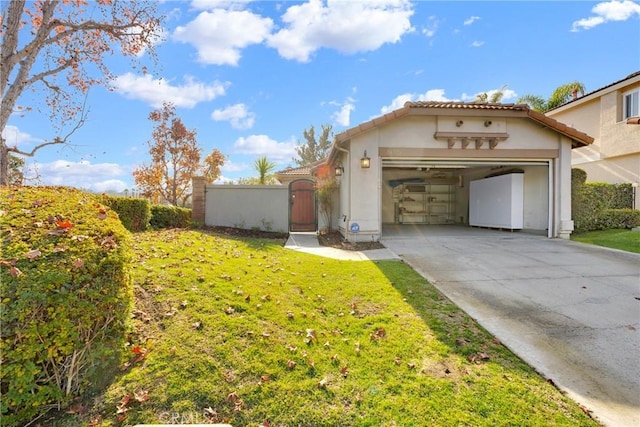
(560, 96)
(494, 98)
(264, 168)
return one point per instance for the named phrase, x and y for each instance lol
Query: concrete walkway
(570, 310)
(308, 243)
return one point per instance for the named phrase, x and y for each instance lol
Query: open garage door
(437, 191)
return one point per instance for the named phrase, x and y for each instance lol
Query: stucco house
(491, 165)
(611, 115)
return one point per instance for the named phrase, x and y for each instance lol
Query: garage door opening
(438, 192)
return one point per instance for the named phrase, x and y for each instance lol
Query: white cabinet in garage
(497, 202)
(426, 203)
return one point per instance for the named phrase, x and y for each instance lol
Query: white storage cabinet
(497, 202)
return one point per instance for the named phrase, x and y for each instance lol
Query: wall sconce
(365, 162)
(339, 169)
(487, 123)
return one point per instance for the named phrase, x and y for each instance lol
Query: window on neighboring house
(631, 104)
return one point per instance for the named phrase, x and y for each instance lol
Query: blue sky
(250, 76)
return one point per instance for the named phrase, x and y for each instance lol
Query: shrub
(66, 295)
(134, 213)
(170, 217)
(615, 218)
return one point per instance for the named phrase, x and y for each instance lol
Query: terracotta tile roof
(302, 170)
(579, 139)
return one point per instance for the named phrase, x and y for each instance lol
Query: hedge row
(66, 297)
(138, 214)
(601, 206)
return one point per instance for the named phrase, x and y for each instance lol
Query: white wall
(248, 206)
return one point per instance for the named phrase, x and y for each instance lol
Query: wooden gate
(302, 206)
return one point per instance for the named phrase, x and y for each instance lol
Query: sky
(251, 76)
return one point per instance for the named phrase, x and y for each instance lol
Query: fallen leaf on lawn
(327, 344)
(210, 412)
(311, 334)
(125, 401)
(64, 224)
(121, 416)
(323, 383)
(265, 378)
(59, 249)
(76, 407)
(266, 334)
(411, 365)
(102, 214)
(378, 334)
(266, 423)
(15, 272)
(141, 396)
(95, 421)
(229, 310)
(38, 224)
(57, 232)
(397, 360)
(357, 347)
(344, 371)
(184, 304)
(266, 298)
(34, 254)
(291, 364)
(233, 397)
(78, 263)
(247, 298)
(196, 326)
(109, 242)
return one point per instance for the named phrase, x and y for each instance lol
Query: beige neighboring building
(611, 115)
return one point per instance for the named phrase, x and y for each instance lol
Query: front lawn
(622, 239)
(243, 331)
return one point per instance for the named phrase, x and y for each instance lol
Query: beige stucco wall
(614, 155)
(366, 196)
(248, 206)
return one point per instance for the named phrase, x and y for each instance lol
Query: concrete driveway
(570, 310)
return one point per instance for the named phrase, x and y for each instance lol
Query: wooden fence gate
(302, 206)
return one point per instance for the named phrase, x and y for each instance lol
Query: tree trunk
(4, 163)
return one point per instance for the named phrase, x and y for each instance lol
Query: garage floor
(570, 310)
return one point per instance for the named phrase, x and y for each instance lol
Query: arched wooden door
(302, 206)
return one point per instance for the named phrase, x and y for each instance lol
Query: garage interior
(448, 192)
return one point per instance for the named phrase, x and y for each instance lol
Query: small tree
(51, 47)
(326, 189)
(264, 168)
(312, 149)
(175, 159)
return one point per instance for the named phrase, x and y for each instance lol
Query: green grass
(243, 331)
(622, 239)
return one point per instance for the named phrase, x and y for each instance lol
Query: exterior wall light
(365, 162)
(339, 169)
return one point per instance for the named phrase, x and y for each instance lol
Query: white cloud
(346, 26)
(156, 91)
(16, 138)
(471, 20)
(231, 167)
(477, 43)
(431, 26)
(98, 177)
(343, 115)
(262, 145)
(237, 115)
(613, 10)
(220, 34)
(430, 95)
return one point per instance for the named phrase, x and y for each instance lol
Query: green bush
(170, 217)
(616, 218)
(600, 206)
(134, 213)
(66, 297)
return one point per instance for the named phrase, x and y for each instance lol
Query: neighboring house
(427, 163)
(611, 115)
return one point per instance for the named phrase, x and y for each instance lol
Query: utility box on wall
(497, 202)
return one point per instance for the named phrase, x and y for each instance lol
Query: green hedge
(66, 297)
(170, 217)
(134, 213)
(601, 206)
